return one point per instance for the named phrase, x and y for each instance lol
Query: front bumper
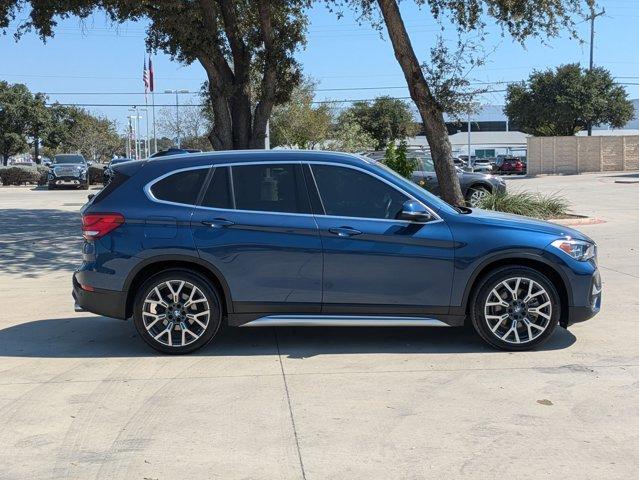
(108, 303)
(587, 304)
(67, 180)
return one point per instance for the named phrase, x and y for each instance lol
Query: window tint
(350, 193)
(270, 188)
(181, 187)
(218, 193)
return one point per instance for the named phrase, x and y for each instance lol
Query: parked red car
(510, 166)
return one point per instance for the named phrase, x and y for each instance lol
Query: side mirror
(413, 211)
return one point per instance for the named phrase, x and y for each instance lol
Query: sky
(93, 62)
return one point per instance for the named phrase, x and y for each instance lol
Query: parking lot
(82, 397)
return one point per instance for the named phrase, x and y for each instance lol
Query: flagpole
(155, 139)
(148, 143)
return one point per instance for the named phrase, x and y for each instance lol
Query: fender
(539, 256)
(186, 259)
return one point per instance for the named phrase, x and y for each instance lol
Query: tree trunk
(432, 116)
(5, 159)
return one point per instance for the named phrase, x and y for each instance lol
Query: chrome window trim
(149, 193)
(153, 198)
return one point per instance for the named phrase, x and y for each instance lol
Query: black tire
(194, 279)
(51, 186)
(473, 192)
(494, 280)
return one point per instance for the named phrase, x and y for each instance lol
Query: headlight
(577, 249)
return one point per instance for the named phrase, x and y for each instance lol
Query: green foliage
(298, 122)
(22, 174)
(529, 204)
(396, 158)
(351, 137)
(76, 130)
(563, 101)
(22, 116)
(385, 119)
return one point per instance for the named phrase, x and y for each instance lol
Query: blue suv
(187, 244)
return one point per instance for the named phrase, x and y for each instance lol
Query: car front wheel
(177, 312)
(474, 195)
(515, 308)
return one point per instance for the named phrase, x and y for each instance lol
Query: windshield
(62, 159)
(432, 200)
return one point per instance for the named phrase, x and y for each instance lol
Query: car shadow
(35, 242)
(92, 336)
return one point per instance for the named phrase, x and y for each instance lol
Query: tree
(520, 18)
(193, 126)
(23, 116)
(385, 119)
(235, 41)
(396, 157)
(565, 100)
(76, 130)
(298, 122)
(351, 137)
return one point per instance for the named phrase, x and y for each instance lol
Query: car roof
(251, 156)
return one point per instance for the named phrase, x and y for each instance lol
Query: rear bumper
(108, 303)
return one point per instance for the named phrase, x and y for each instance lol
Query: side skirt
(342, 321)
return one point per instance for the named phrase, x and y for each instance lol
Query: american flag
(146, 79)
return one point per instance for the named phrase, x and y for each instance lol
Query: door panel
(386, 266)
(374, 263)
(272, 262)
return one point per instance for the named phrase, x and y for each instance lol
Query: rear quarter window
(180, 187)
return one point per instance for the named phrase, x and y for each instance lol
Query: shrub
(529, 204)
(19, 174)
(95, 173)
(397, 159)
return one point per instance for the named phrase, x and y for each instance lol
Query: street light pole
(177, 112)
(592, 17)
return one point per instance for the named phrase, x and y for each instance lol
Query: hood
(520, 222)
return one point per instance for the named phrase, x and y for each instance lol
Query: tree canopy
(246, 48)
(385, 119)
(299, 122)
(565, 100)
(23, 116)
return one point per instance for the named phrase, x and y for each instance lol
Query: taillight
(96, 225)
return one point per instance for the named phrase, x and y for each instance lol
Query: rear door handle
(218, 223)
(344, 231)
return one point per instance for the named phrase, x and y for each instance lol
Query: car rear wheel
(515, 308)
(474, 195)
(177, 312)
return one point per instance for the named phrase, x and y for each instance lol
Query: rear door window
(218, 193)
(180, 187)
(270, 188)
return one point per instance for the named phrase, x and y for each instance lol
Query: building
(482, 144)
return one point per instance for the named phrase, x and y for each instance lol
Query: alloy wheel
(176, 313)
(476, 196)
(518, 310)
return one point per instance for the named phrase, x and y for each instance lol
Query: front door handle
(218, 223)
(344, 231)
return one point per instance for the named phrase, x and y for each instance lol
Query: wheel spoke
(500, 319)
(500, 301)
(160, 299)
(156, 319)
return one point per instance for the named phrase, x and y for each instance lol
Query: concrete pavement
(81, 397)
